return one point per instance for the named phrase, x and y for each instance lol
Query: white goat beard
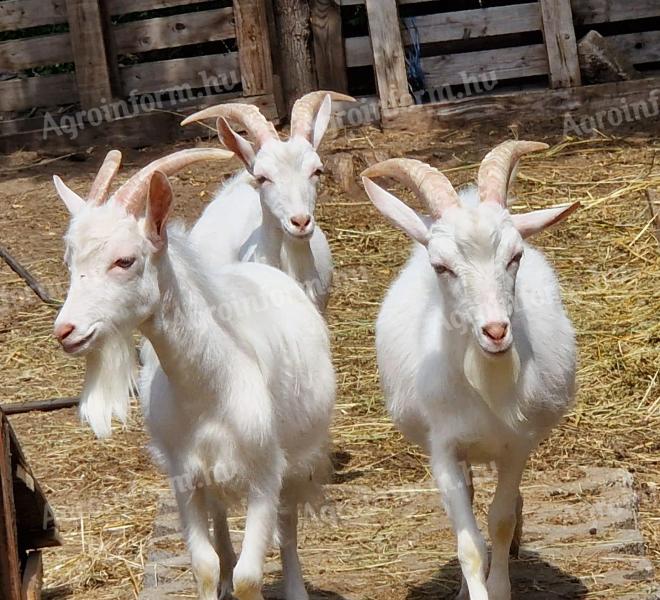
(109, 379)
(494, 380)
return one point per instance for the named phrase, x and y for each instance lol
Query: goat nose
(301, 221)
(63, 331)
(496, 331)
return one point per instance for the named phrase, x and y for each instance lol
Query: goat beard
(495, 381)
(109, 380)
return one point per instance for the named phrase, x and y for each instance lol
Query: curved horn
(305, 109)
(247, 115)
(430, 186)
(132, 194)
(98, 194)
(497, 166)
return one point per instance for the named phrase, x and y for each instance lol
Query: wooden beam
(532, 106)
(97, 73)
(389, 56)
(33, 576)
(17, 408)
(329, 46)
(26, 276)
(253, 47)
(10, 572)
(560, 43)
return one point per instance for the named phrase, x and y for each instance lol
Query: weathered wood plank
(328, 45)
(136, 36)
(173, 31)
(478, 23)
(388, 53)
(96, 68)
(560, 43)
(541, 105)
(26, 53)
(121, 7)
(33, 576)
(358, 51)
(21, 14)
(10, 575)
(588, 12)
(17, 408)
(496, 65)
(217, 71)
(22, 94)
(640, 48)
(255, 59)
(132, 131)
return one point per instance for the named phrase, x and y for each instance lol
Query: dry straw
(608, 261)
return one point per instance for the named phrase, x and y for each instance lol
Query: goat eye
(124, 263)
(262, 179)
(515, 260)
(443, 270)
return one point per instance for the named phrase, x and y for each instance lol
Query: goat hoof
(247, 590)
(226, 590)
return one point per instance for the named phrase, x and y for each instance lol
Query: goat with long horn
(475, 352)
(266, 214)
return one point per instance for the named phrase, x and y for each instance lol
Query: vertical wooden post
(389, 57)
(329, 53)
(254, 55)
(97, 73)
(10, 572)
(560, 43)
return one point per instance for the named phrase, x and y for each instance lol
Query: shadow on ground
(276, 592)
(531, 579)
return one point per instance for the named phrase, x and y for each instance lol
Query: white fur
(460, 403)
(250, 221)
(237, 386)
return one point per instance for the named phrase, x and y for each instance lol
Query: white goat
(238, 384)
(475, 352)
(266, 214)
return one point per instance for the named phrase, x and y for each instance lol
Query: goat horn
(497, 166)
(98, 193)
(247, 115)
(305, 109)
(429, 184)
(132, 194)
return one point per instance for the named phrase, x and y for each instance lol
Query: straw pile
(607, 258)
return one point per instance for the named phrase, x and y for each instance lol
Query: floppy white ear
(73, 201)
(322, 121)
(236, 143)
(398, 213)
(530, 223)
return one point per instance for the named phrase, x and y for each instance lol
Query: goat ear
(159, 205)
(398, 213)
(322, 121)
(530, 223)
(236, 143)
(72, 201)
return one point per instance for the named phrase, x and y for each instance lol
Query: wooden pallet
(445, 61)
(27, 523)
(95, 40)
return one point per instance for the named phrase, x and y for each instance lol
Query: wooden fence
(126, 66)
(525, 52)
(136, 65)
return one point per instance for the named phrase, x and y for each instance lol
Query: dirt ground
(608, 260)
